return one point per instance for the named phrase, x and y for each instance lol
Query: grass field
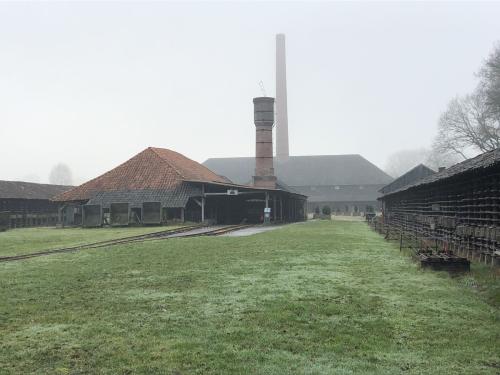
(28, 240)
(314, 298)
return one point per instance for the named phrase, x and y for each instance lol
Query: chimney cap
(263, 99)
(263, 111)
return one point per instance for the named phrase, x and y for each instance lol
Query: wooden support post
(60, 216)
(487, 259)
(281, 209)
(202, 203)
(274, 208)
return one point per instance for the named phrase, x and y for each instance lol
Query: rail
(182, 232)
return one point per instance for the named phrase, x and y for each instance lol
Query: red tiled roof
(153, 168)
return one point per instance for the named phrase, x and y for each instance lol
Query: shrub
(326, 210)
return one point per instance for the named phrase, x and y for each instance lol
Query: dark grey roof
(315, 170)
(282, 186)
(340, 193)
(477, 164)
(413, 175)
(176, 197)
(29, 190)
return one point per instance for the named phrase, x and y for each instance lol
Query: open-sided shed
(160, 185)
(28, 204)
(455, 209)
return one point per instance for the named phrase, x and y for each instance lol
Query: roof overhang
(246, 187)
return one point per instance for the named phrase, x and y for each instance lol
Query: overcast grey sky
(92, 84)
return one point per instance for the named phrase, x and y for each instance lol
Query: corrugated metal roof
(29, 190)
(282, 186)
(478, 163)
(313, 170)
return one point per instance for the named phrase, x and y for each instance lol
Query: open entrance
(247, 208)
(135, 215)
(151, 213)
(92, 215)
(118, 214)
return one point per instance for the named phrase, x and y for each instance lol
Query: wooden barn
(456, 209)
(160, 185)
(27, 204)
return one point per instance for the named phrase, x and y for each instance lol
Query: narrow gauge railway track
(94, 245)
(218, 231)
(162, 235)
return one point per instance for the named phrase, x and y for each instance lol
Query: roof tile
(153, 168)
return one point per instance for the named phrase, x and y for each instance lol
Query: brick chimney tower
(264, 120)
(282, 151)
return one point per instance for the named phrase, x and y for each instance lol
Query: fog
(92, 84)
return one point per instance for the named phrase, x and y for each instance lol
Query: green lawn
(29, 240)
(314, 298)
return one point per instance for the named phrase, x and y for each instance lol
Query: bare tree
(489, 76)
(436, 159)
(60, 174)
(402, 161)
(467, 124)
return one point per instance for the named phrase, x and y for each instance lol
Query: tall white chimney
(282, 151)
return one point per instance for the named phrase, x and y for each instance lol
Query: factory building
(160, 185)
(348, 184)
(27, 204)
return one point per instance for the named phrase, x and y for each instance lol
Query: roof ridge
(166, 161)
(455, 170)
(33, 183)
(291, 156)
(105, 174)
(178, 154)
